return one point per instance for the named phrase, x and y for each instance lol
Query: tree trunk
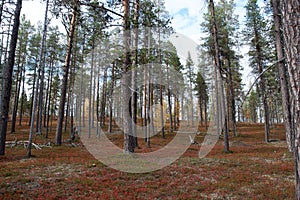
(90, 92)
(126, 80)
(110, 129)
(258, 52)
(67, 110)
(161, 86)
(134, 72)
(49, 93)
(219, 86)
(23, 95)
(33, 92)
(145, 104)
(18, 77)
(231, 99)
(200, 101)
(169, 103)
(103, 100)
(205, 115)
(7, 77)
(286, 103)
(5, 52)
(42, 67)
(58, 135)
(149, 102)
(98, 119)
(290, 16)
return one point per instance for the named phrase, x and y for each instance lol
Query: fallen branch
(25, 143)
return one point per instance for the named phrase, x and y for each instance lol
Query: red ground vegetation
(254, 170)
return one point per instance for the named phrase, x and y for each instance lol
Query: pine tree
(7, 77)
(25, 31)
(58, 136)
(202, 93)
(189, 66)
(129, 141)
(254, 34)
(286, 99)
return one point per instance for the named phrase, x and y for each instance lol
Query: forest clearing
(150, 99)
(254, 170)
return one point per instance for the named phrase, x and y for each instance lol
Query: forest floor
(254, 170)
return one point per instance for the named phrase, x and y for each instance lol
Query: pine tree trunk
(22, 99)
(58, 135)
(290, 16)
(42, 67)
(98, 119)
(7, 77)
(201, 111)
(33, 92)
(5, 52)
(262, 84)
(81, 98)
(134, 72)
(126, 80)
(286, 104)
(162, 121)
(110, 129)
(145, 105)
(161, 86)
(205, 115)
(103, 100)
(49, 93)
(149, 103)
(231, 100)
(220, 90)
(18, 77)
(169, 103)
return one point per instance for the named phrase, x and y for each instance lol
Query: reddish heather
(254, 170)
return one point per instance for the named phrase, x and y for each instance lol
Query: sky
(187, 16)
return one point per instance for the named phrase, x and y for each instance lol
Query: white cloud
(187, 16)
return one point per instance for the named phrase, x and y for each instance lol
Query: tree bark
(286, 104)
(103, 100)
(58, 135)
(126, 80)
(134, 72)
(290, 11)
(22, 99)
(169, 103)
(7, 77)
(18, 77)
(42, 67)
(110, 128)
(49, 92)
(220, 90)
(90, 92)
